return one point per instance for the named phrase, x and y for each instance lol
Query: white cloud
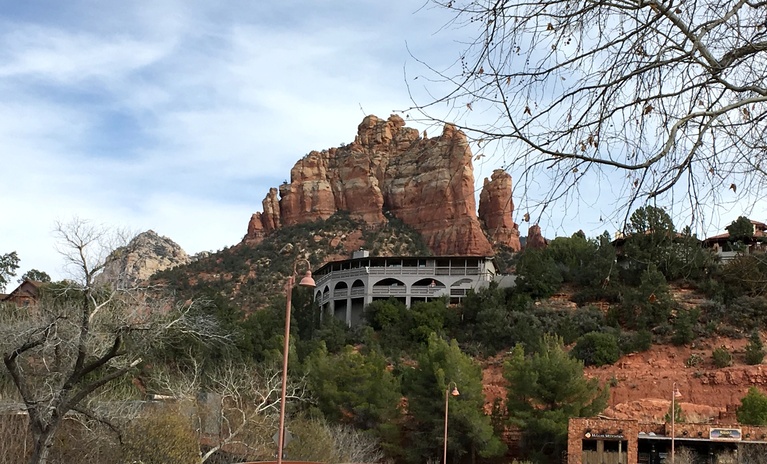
(179, 115)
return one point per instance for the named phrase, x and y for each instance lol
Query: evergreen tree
(754, 349)
(647, 306)
(753, 408)
(37, 276)
(683, 326)
(679, 416)
(439, 364)
(545, 390)
(741, 230)
(537, 274)
(9, 262)
(354, 388)
(597, 349)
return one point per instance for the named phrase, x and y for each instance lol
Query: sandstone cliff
(535, 239)
(390, 169)
(145, 255)
(496, 208)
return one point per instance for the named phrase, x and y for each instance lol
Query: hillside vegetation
(585, 314)
(620, 299)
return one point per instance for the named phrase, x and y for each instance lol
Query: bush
(694, 360)
(164, 436)
(597, 349)
(635, 342)
(582, 321)
(722, 357)
(537, 274)
(683, 325)
(753, 408)
(754, 349)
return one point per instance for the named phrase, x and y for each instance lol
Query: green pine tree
(545, 390)
(754, 349)
(753, 408)
(439, 365)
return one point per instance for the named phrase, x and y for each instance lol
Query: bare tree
(354, 445)
(235, 406)
(318, 441)
(660, 99)
(81, 337)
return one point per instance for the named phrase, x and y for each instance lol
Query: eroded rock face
(535, 239)
(145, 255)
(426, 183)
(496, 209)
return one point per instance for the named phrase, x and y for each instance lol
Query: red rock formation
(534, 238)
(496, 209)
(426, 183)
(271, 215)
(255, 230)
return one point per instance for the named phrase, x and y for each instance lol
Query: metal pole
(286, 349)
(673, 420)
(447, 403)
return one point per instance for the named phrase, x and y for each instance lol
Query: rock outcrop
(535, 239)
(390, 169)
(496, 208)
(145, 255)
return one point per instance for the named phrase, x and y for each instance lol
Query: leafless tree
(665, 100)
(318, 441)
(81, 337)
(235, 407)
(354, 445)
(752, 453)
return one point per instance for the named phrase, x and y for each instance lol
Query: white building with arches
(344, 288)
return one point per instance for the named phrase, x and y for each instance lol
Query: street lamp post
(674, 395)
(307, 281)
(448, 392)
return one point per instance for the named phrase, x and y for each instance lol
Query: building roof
(26, 288)
(760, 231)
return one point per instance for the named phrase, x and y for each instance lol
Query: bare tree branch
(640, 93)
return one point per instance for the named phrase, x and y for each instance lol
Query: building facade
(344, 288)
(616, 441)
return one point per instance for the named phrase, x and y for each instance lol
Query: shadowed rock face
(426, 183)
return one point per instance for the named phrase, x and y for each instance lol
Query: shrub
(753, 408)
(694, 360)
(537, 274)
(635, 342)
(597, 349)
(722, 357)
(754, 349)
(683, 327)
(582, 321)
(162, 437)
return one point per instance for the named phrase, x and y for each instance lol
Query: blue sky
(178, 116)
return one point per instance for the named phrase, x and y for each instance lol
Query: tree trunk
(43, 444)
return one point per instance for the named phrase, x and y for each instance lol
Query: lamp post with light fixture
(307, 281)
(448, 392)
(674, 395)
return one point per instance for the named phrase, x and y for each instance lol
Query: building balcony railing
(389, 290)
(386, 290)
(358, 292)
(426, 271)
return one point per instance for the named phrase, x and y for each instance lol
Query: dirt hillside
(641, 384)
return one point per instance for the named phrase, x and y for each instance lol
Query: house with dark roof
(26, 294)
